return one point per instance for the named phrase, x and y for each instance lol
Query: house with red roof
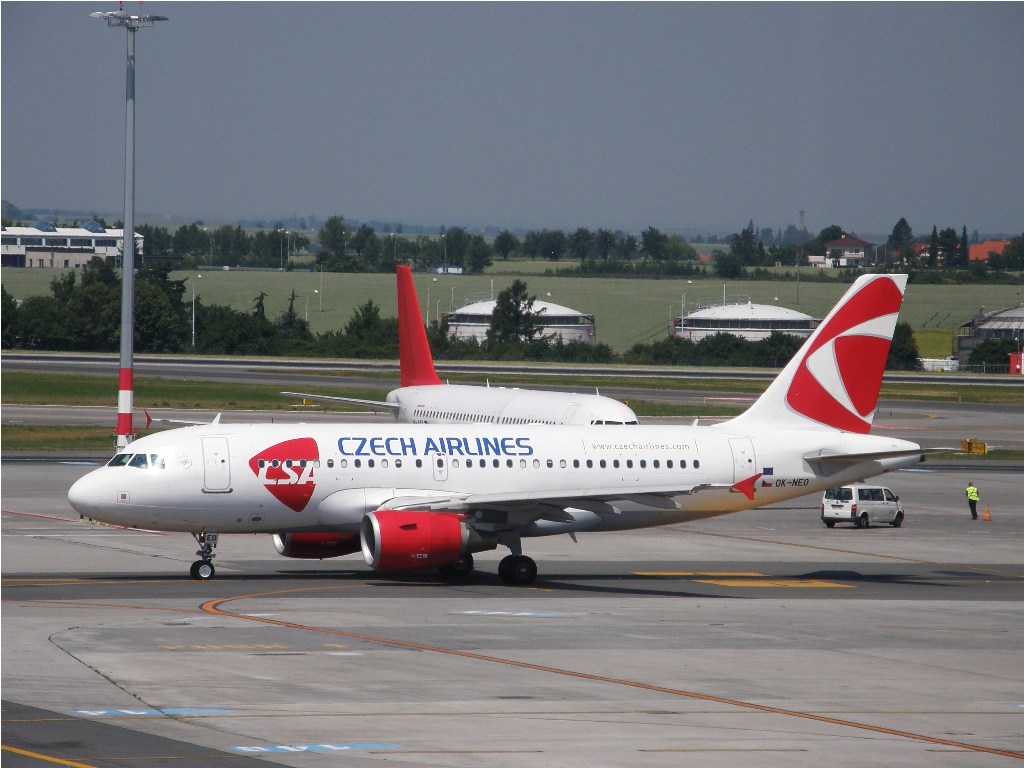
(848, 251)
(981, 251)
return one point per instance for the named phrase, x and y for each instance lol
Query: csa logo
(286, 470)
(837, 382)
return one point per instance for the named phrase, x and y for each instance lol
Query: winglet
(415, 361)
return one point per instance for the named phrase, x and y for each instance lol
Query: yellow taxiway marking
(44, 758)
(776, 583)
(699, 574)
(742, 579)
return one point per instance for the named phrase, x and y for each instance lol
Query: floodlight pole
(125, 376)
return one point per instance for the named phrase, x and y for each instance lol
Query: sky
(526, 115)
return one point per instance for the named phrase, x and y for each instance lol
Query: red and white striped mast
(125, 383)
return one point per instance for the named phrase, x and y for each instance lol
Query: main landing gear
(203, 569)
(514, 569)
(517, 569)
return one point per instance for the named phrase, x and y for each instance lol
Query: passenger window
(550, 463)
(629, 463)
(357, 463)
(469, 462)
(615, 463)
(398, 463)
(590, 463)
(343, 464)
(603, 463)
(696, 464)
(889, 495)
(536, 463)
(561, 463)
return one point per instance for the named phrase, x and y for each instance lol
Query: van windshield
(839, 494)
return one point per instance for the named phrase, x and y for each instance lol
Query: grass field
(627, 310)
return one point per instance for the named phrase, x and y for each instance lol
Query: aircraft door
(743, 459)
(440, 463)
(216, 465)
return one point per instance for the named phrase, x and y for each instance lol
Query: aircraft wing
(378, 405)
(539, 504)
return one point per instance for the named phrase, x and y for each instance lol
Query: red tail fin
(834, 380)
(414, 358)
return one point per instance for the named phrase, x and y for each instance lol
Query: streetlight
(209, 239)
(125, 384)
(194, 284)
(279, 231)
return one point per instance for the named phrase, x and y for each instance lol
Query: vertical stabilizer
(834, 379)
(414, 358)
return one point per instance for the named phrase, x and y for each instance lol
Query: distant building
(847, 251)
(981, 251)
(473, 321)
(1000, 324)
(48, 247)
(749, 321)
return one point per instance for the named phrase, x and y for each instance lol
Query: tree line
(82, 313)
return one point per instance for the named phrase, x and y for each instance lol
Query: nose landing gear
(203, 569)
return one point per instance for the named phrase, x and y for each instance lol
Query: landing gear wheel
(460, 569)
(202, 570)
(517, 569)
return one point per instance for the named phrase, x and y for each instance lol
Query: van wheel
(862, 521)
(898, 520)
(829, 523)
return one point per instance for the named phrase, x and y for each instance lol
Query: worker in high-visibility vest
(972, 499)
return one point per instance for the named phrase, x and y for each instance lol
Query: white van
(861, 505)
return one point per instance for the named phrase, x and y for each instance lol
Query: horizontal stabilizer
(837, 457)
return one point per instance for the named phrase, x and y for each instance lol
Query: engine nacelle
(315, 546)
(410, 541)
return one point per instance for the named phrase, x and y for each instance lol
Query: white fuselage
(273, 478)
(467, 404)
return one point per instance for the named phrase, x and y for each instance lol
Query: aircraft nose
(88, 494)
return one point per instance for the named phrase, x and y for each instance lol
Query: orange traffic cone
(987, 517)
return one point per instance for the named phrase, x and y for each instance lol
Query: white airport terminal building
(45, 246)
(749, 321)
(473, 320)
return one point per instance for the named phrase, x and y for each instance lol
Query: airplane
(424, 399)
(418, 496)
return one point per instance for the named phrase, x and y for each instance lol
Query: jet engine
(410, 541)
(315, 546)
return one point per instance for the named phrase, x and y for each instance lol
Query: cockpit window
(139, 460)
(119, 460)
